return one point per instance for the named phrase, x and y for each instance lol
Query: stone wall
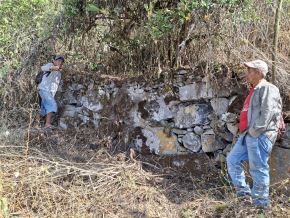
(182, 112)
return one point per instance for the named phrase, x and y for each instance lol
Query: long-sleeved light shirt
(50, 82)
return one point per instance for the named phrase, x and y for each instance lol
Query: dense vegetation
(141, 36)
(126, 38)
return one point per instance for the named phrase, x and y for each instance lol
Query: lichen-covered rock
(191, 115)
(136, 94)
(191, 142)
(195, 91)
(220, 105)
(158, 110)
(159, 142)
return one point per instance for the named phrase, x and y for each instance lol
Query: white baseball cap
(259, 65)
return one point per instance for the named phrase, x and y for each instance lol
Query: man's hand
(55, 68)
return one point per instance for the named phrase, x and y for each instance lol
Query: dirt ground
(78, 174)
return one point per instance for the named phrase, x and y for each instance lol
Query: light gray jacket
(264, 111)
(50, 83)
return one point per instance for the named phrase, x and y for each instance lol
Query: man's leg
(259, 150)
(48, 119)
(48, 106)
(235, 158)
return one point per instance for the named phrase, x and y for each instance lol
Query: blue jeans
(48, 103)
(257, 152)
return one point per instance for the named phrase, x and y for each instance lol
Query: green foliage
(71, 7)
(160, 23)
(21, 23)
(93, 8)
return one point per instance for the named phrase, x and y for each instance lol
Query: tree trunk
(275, 40)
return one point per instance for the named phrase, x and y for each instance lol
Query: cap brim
(249, 64)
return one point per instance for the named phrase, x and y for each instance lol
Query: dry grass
(58, 175)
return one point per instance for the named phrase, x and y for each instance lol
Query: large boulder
(195, 91)
(188, 116)
(158, 110)
(159, 142)
(219, 105)
(279, 164)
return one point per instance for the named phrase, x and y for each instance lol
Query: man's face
(253, 75)
(58, 63)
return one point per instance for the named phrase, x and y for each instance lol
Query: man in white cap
(259, 120)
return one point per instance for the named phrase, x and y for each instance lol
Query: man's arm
(267, 105)
(49, 67)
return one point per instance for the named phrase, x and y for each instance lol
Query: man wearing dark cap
(48, 86)
(259, 121)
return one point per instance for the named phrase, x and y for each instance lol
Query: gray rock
(220, 105)
(70, 111)
(279, 164)
(182, 72)
(233, 128)
(159, 142)
(189, 116)
(178, 131)
(210, 143)
(136, 118)
(229, 117)
(69, 98)
(62, 124)
(85, 119)
(181, 149)
(178, 163)
(162, 112)
(226, 136)
(76, 87)
(136, 94)
(220, 158)
(285, 141)
(195, 91)
(227, 149)
(91, 104)
(191, 142)
(96, 120)
(198, 130)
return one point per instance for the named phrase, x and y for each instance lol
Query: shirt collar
(260, 83)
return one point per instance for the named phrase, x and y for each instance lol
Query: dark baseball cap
(59, 57)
